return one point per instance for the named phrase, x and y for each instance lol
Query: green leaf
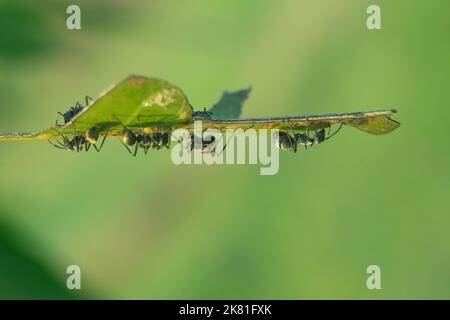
(230, 105)
(136, 101)
(156, 105)
(376, 125)
(372, 122)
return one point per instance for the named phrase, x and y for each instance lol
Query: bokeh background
(145, 228)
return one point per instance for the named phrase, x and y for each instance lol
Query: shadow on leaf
(230, 105)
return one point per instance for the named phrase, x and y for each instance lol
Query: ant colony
(205, 141)
(78, 142)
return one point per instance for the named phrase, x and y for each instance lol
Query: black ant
(142, 140)
(73, 111)
(80, 142)
(208, 144)
(288, 141)
(205, 145)
(202, 115)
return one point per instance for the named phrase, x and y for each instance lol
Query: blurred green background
(145, 228)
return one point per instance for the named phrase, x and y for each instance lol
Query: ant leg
(292, 139)
(167, 144)
(88, 100)
(88, 146)
(128, 149)
(136, 143)
(60, 144)
(225, 146)
(215, 142)
(56, 122)
(340, 127)
(55, 145)
(78, 145)
(284, 120)
(121, 123)
(170, 138)
(136, 148)
(66, 140)
(77, 105)
(180, 140)
(314, 140)
(140, 125)
(98, 149)
(307, 134)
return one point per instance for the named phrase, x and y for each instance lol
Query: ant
(80, 142)
(202, 115)
(142, 140)
(288, 141)
(208, 144)
(73, 111)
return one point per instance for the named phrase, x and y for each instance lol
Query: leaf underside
(372, 122)
(154, 105)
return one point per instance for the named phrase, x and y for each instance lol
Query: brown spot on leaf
(137, 81)
(359, 121)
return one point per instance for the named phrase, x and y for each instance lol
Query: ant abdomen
(207, 141)
(284, 141)
(128, 137)
(92, 135)
(320, 136)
